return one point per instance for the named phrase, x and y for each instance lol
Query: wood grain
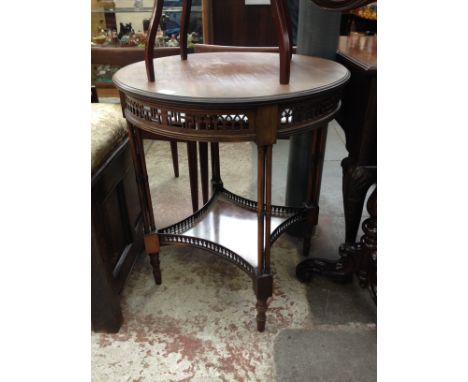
(230, 78)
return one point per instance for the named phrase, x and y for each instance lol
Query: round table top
(231, 77)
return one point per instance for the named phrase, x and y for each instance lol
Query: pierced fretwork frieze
(291, 115)
(288, 223)
(209, 246)
(306, 111)
(277, 211)
(191, 120)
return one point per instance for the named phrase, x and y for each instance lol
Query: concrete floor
(199, 325)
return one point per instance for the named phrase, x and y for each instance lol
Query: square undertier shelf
(228, 226)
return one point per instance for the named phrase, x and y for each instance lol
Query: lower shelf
(227, 226)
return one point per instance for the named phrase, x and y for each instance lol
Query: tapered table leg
(264, 281)
(175, 158)
(151, 237)
(203, 146)
(193, 173)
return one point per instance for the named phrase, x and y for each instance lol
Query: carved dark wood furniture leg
(152, 30)
(356, 183)
(367, 273)
(184, 24)
(203, 146)
(358, 118)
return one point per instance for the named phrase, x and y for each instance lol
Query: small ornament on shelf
(173, 41)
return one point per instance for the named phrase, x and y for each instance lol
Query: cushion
(108, 130)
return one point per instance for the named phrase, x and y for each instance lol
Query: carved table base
(359, 259)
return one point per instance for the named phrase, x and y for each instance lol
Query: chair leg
(184, 24)
(149, 48)
(281, 25)
(175, 158)
(193, 173)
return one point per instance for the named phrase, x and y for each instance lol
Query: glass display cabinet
(117, 24)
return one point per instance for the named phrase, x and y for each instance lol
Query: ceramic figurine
(173, 41)
(125, 29)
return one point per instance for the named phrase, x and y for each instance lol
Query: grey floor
(342, 344)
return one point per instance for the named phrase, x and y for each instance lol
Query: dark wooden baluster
(184, 25)
(152, 30)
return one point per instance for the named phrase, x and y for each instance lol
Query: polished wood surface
(230, 78)
(225, 223)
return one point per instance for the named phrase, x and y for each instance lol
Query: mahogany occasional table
(229, 97)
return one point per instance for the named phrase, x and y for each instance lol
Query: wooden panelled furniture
(229, 97)
(116, 220)
(358, 118)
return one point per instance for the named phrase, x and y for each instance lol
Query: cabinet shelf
(227, 226)
(144, 10)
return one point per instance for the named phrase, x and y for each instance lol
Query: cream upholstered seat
(108, 130)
